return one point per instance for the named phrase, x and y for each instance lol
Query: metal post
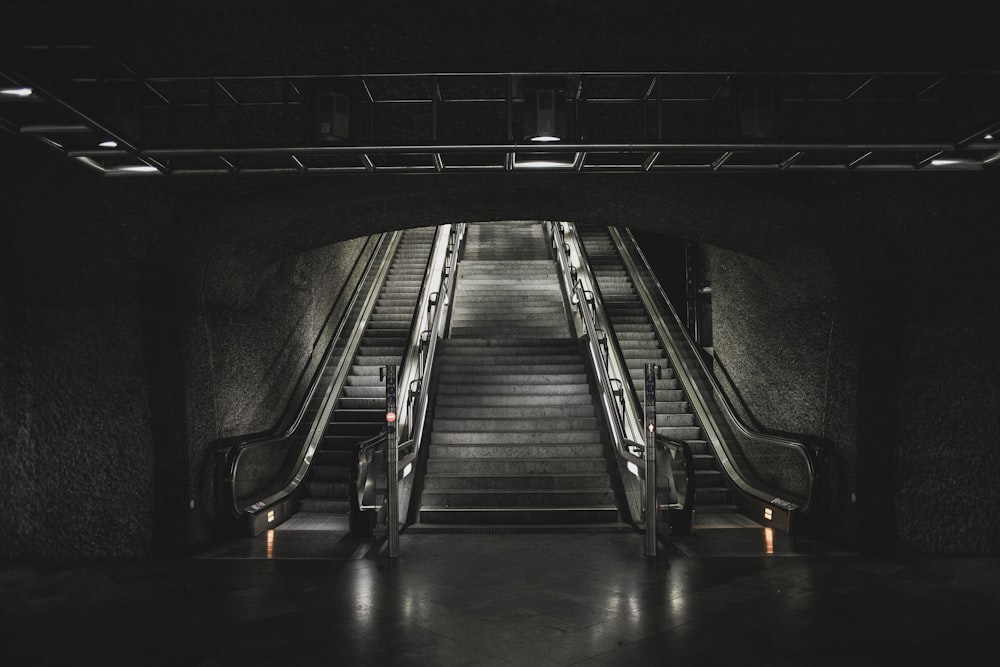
(392, 465)
(652, 506)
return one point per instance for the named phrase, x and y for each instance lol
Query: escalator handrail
(445, 297)
(365, 481)
(622, 445)
(685, 376)
(232, 454)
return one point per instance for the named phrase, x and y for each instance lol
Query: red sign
(390, 416)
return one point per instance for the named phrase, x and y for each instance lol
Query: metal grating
(432, 123)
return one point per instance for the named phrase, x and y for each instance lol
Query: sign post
(652, 506)
(392, 462)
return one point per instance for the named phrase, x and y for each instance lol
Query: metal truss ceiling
(715, 122)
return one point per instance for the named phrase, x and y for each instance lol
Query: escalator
(739, 474)
(307, 472)
(359, 412)
(637, 338)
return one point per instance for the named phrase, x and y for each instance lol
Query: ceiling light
(136, 168)
(542, 161)
(954, 162)
(110, 143)
(15, 92)
(544, 113)
(988, 136)
(542, 164)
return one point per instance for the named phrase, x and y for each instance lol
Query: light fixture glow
(546, 137)
(536, 164)
(16, 92)
(988, 136)
(270, 516)
(767, 513)
(946, 162)
(136, 168)
(110, 143)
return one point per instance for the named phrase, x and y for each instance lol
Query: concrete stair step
(449, 413)
(489, 358)
(514, 378)
(526, 367)
(533, 481)
(518, 516)
(467, 402)
(517, 497)
(532, 437)
(525, 330)
(439, 465)
(518, 425)
(526, 392)
(492, 449)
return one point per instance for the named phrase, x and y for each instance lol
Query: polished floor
(308, 594)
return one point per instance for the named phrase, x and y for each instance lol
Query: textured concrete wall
(125, 355)
(885, 362)
(75, 451)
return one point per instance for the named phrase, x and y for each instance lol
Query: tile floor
(308, 594)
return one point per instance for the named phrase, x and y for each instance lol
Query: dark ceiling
(231, 88)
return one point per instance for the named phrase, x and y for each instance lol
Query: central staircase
(514, 437)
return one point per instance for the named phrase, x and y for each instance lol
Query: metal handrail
(415, 369)
(626, 448)
(445, 296)
(654, 304)
(607, 357)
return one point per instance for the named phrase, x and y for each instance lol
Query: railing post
(652, 506)
(392, 463)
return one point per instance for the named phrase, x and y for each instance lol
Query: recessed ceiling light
(110, 143)
(15, 92)
(952, 162)
(136, 168)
